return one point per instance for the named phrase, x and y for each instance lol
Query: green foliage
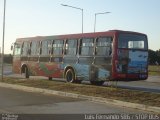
(154, 56)
(8, 58)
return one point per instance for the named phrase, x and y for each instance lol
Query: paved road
(15, 101)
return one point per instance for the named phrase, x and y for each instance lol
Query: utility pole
(2, 55)
(96, 19)
(75, 8)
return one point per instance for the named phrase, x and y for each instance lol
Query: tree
(154, 56)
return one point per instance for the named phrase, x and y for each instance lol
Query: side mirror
(12, 46)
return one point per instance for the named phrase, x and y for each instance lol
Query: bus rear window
(132, 41)
(136, 44)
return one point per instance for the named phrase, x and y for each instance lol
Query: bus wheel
(98, 83)
(26, 73)
(70, 76)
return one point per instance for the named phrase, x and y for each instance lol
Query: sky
(29, 18)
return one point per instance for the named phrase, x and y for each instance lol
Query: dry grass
(146, 98)
(154, 70)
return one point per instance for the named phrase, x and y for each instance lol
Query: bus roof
(74, 36)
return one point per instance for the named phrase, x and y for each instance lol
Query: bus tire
(98, 83)
(26, 73)
(70, 76)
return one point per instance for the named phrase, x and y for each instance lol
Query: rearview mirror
(12, 46)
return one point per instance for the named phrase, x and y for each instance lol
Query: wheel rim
(69, 76)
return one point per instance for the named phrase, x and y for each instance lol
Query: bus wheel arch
(24, 69)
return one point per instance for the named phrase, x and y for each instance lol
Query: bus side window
(40, 47)
(46, 47)
(34, 48)
(58, 47)
(50, 47)
(87, 46)
(104, 46)
(25, 48)
(71, 47)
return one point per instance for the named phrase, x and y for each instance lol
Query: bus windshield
(17, 49)
(132, 41)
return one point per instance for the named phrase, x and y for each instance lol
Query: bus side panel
(104, 67)
(89, 67)
(51, 70)
(16, 64)
(103, 73)
(82, 71)
(46, 69)
(92, 72)
(33, 68)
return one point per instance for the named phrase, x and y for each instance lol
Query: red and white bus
(96, 57)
